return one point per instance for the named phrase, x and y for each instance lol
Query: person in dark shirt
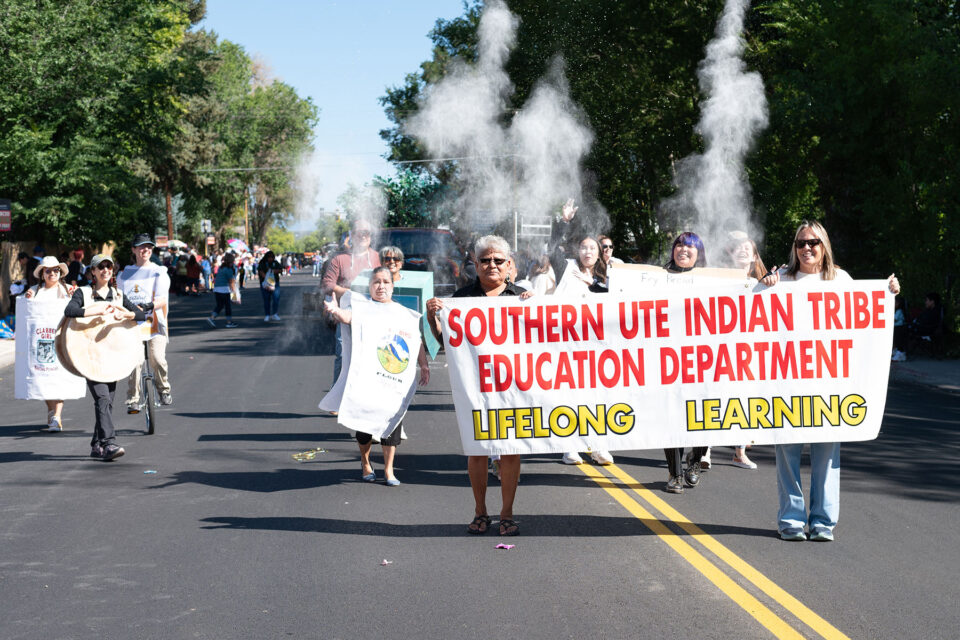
(493, 267)
(101, 299)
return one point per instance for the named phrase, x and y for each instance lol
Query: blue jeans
(270, 298)
(824, 487)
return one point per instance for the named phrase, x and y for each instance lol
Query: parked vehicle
(429, 250)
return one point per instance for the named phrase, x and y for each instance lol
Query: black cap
(143, 238)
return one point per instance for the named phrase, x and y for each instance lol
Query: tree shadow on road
(565, 526)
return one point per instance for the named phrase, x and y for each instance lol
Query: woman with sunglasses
(810, 261)
(50, 272)
(493, 268)
(587, 273)
(102, 298)
(392, 258)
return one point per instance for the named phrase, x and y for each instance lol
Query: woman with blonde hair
(811, 261)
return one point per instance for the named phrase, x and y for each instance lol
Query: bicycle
(149, 395)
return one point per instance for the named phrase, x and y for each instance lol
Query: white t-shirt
(149, 283)
(812, 277)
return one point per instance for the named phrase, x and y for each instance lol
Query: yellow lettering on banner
(595, 420)
(479, 433)
(539, 431)
(854, 409)
(504, 422)
(522, 422)
(572, 421)
(797, 412)
(620, 418)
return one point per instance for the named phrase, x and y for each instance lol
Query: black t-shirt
(474, 290)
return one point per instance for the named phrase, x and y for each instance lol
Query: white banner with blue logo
(38, 372)
(379, 373)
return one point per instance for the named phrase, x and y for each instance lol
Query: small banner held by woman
(38, 372)
(379, 373)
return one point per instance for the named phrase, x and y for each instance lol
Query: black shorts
(390, 441)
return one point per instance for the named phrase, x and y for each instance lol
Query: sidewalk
(940, 374)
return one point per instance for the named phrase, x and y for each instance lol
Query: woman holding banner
(41, 376)
(381, 292)
(585, 274)
(687, 253)
(493, 266)
(810, 261)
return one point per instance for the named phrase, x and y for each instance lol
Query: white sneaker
(211, 322)
(572, 457)
(744, 462)
(54, 424)
(266, 318)
(705, 460)
(275, 317)
(603, 458)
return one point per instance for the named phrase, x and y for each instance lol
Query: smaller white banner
(378, 377)
(38, 373)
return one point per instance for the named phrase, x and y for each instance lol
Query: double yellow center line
(763, 614)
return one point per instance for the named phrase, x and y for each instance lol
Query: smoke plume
(531, 165)
(713, 195)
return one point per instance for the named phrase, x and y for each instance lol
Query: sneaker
(232, 325)
(744, 462)
(792, 535)
(692, 475)
(96, 451)
(166, 398)
(111, 452)
(674, 485)
(572, 457)
(211, 322)
(603, 458)
(133, 408)
(275, 317)
(266, 318)
(54, 426)
(822, 535)
(705, 460)
(899, 356)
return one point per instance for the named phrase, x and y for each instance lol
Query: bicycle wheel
(148, 392)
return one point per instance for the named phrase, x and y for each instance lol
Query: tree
(412, 200)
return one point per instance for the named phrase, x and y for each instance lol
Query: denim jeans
(824, 487)
(338, 353)
(270, 299)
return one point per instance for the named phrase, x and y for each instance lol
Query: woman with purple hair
(687, 253)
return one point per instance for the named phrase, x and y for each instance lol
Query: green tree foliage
(863, 116)
(412, 200)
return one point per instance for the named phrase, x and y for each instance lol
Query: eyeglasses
(104, 265)
(606, 246)
(392, 259)
(488, 261)
(50, 272)
(362, 234)
(810, 242)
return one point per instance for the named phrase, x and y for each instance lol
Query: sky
(343, 55)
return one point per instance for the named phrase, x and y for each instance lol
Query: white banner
(379, 373)
(727, 364)
(38, 373)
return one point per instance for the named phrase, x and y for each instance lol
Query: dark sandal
(479, 525)
(505, 526)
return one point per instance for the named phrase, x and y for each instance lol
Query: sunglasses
(52, 271)
(812, 242)
(606, 246)
(392, 259)
(497, 261)
(103, 266)
(362, 234)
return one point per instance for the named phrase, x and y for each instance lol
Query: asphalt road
(233, 538)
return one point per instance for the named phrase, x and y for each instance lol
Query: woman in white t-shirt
(811, 260)
(51, 287)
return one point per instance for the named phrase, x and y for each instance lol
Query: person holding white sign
(810, 261)
(687, 253)
(493, 267)
(586, 274)
(381, 291)
(50, 383)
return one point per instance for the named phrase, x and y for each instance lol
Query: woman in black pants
(100, 298)
(687, 253)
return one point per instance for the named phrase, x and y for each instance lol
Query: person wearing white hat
(146, 283)
(50, 273)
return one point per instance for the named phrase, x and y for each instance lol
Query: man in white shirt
(147, 283)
